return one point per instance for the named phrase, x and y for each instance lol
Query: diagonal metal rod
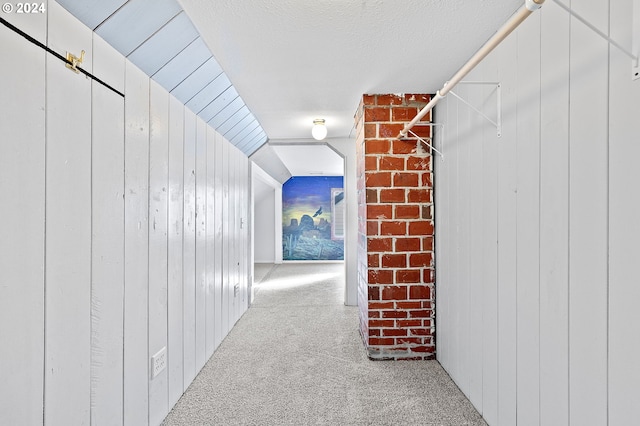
(427, 143)
(523, 13)
(473, 108)
(596, 30)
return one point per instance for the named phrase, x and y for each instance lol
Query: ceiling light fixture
(319, 130)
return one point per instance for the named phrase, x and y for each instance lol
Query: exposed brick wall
(395, 230)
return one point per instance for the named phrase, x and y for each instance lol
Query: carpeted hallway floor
(296, 358)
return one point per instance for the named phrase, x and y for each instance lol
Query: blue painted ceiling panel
(239, 124)
(170, 40)
(92, 12)
(246, 140)
(226, 113)
(230, 123)
(183, 64)
(161, 40)
(197, 80)
(244, 132)
(218, 104)
(257, 143)
(135, 22)
(209, 93)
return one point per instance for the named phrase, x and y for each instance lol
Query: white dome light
(319, 130)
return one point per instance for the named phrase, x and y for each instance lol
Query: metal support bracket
(426, 142)
(635, 23)
(498, 122)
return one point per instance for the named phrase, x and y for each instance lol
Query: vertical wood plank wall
(158, 242)
(175, 254)
(67, 382)
(22, 214)
(537, 231)
(136, 249)
(107, 246)
(113, 244)
(623, 228)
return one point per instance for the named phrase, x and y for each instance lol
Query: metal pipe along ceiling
(523, 13)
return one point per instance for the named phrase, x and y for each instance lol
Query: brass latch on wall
(73, 61)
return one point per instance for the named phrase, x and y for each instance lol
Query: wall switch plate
(236, 290)
(158, 362)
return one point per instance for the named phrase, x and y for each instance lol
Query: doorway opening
(317, 229)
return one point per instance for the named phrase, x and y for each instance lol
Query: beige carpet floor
(296, 358)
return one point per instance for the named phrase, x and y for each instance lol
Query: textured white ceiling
(296, 60)
(310, 159)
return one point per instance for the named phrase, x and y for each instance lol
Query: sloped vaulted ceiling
(159, 38)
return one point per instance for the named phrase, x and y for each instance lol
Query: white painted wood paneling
(527, 221)
(453, 318)
(158, 224)
(239, 237)
(219, 220)
(231, 235)
(507, 240)
(474, 165)
(174, 251)
(210, 299)
(489, 246)
(246, 276)
(554, 216)
(136, 235)
(624, 227)
(33, 24)
(113, 75)
(22, 191)
(588, 214)
(559, 301)
(452, 323)
(189, 253)
(68, 226)
(443, 252)
(118, 183)
(234, 260)
(243, 186)
(107, 245)
(227, 300)
(201, 235)
(463, 194)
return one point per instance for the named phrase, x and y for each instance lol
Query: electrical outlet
(158, 362)
(236, 290)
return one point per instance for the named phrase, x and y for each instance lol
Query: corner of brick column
(395, 229)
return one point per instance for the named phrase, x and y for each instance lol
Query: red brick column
(395, 230)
